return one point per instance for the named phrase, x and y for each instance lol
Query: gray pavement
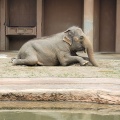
(92, 90)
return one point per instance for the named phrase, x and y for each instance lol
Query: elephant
(57, 49)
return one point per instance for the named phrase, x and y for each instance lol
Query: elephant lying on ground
(57, 49)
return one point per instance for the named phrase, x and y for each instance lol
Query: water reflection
(47, 115)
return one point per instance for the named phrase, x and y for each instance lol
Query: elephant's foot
(85, 63)
(13, 60)
(39, 63)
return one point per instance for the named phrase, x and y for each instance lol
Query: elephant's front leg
(67, 59)
(86, 58)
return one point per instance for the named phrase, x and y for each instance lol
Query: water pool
(54, 115)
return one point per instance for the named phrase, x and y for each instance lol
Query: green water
(54, 115)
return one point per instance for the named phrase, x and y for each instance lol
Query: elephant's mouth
(82, 49)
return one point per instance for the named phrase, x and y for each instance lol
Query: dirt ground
(109, 67)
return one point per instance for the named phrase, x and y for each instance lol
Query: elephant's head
(78, 41)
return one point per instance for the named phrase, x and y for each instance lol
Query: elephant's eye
(81, 37)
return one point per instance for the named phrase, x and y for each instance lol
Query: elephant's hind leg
(27, 61)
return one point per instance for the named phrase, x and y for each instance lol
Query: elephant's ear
(68, 37)
(67, 40)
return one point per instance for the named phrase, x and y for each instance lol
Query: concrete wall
(88, 18)
(98, 18)
(117, 45)
(2, 26)
(61, 14)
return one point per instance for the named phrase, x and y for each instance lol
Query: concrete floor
(108, 68)
(71, 84)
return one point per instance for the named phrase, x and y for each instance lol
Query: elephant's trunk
(90, 53)
(91, 57)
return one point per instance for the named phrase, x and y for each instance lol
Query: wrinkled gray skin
(58, 49)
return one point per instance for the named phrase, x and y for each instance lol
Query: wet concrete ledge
(88, 90)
